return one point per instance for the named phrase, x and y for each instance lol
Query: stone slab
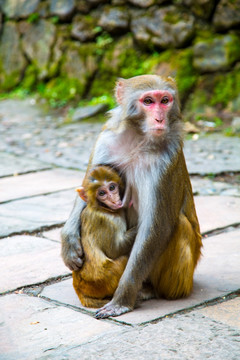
(35, 213)
(54, 234)
(27, 260)
(11, 165)
(227, 312)
(212, 154)
(217, 212)
(43, 182)
(32, 328)
(217, 274)
(182, 337)
(85, 112)
(203, 186)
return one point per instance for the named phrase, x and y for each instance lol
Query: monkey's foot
(111, 309)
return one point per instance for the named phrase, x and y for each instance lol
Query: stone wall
(73, 49)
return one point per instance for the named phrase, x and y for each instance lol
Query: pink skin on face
(156, 104)
(109, 195)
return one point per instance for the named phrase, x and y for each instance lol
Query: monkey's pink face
(156, 105)
(108, 194)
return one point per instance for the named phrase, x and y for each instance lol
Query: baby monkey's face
(109, 195)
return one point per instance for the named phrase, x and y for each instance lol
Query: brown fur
(96, 282)
(168, 242)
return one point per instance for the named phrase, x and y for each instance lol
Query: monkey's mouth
(117, 206)
(157, 131)
(113, 207)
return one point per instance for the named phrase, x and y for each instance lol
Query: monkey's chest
(119, 228)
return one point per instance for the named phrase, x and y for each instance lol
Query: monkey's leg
(172, 277)
(98, 281)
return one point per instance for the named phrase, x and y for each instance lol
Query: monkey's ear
(119, 90)
(82, 193)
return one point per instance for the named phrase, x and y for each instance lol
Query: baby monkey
(105, 239)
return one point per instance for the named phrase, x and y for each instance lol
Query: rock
(62, 8)
(79, 61)
(37, 41)
(216, 54)
(114, 19)
(201, 8)
(227, 14)
(177, 64)
(78, 65)
(84, 28)
(145, 3)
(118, 2)
(162, 27)
(12, 61)
(190, 128)
(96, 2)
(236, 123)
(120, 60)
(83, 6)
(88, 111)
(19, 8)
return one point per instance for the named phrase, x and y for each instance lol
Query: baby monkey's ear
(81, 192)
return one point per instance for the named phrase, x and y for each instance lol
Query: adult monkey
(143, 140)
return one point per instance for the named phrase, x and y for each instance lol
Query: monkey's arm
(72, 252)
(128, 242)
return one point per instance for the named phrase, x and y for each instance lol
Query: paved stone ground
(42, 160)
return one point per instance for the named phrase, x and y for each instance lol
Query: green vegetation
(33, 18)
(119, 60)
(55, 19)
(226, 88)
(58, 92)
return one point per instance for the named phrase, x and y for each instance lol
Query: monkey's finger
(79, 251)
(74, 262)
(111, 310)
(76, 265)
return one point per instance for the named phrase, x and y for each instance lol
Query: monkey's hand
(111, 309)
(72, 254)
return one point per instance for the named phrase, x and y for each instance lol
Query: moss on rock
(120, 60)
(12, 61)
(176, 63)
(217, 90)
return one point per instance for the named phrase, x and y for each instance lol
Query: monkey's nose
(159, 121)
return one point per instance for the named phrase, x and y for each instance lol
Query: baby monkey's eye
(165, 100)
(112, 187)
(148, 101)
(102, 193)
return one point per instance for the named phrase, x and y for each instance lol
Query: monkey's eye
(102, 193)
(112, 187)
(165, 100)
(148, 101)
